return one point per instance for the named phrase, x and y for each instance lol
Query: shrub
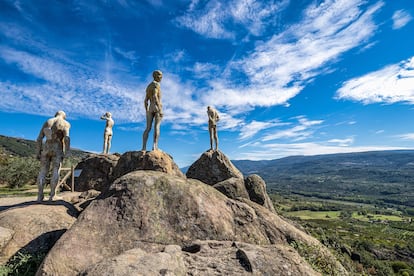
(19, 171)
(23, 264)
(398, 265)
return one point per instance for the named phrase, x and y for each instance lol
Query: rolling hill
(372, 177)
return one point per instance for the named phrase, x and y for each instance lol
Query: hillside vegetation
(383, 177)
(360, 205)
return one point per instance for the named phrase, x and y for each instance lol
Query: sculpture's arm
(66, 139)
(157, 98)
(39, 141)
(147, 98)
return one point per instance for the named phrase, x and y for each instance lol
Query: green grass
(333, 215)
(311, 215)
(375, 217)
(28, 190)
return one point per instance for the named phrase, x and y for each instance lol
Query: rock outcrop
(96, 172)
(232, 188)
(146, 210)
(146, 160)
(216, 169)
(34, 227)
(213, 167)
(256, 187)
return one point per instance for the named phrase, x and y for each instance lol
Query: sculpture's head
(157, 75)
(61, 113)
(107, 115)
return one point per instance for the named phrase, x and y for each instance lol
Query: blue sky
(288, 77)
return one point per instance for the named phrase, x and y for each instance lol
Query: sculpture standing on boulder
(153, 109)
(213, 118)
(56, 146)
(108, 132)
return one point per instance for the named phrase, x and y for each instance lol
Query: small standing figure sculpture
(213, 118)
(153, 109)
(52, 151)
(108, 132)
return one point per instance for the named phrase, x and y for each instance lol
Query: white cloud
(303, 130)
(250, 129)
(391, 84)
(63, 85)
(208, 21)
(406, 136)
(274, 151)
(342, 142)
(400, 19)
(223, 19)
(277, 69)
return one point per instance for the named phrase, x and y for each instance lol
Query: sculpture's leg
(216, 137)
(104, 145)
(150, 117)
(56, 162)
(41, 178)
(210, 130)
(156, 130)
(108, 144)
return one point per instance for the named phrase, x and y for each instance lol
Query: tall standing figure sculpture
(213, 118)
(153, 108)
(107, 132)
(52, 151)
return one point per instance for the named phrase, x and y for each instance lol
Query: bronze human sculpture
(153, 109)
(213, 118)
(107, 132)
(52, 151)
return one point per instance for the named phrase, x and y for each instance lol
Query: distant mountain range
(377, 176)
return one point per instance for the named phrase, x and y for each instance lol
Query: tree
(19, 171)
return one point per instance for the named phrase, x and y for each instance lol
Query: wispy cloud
(304, 129)
(391, 84)
(277, 69)
(400, 19)
(342, 142)
(406, 136)
(250, 129)
(273, 151)
(221, 19)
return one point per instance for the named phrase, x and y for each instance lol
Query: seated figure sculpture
(52, 151)
(213, 118)
(153, 109)
(107, 132)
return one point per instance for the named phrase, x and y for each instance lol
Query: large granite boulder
(34, 227)
(96, 172)
(146, 160)
(256, 187)
(213, 167)
(148, 210)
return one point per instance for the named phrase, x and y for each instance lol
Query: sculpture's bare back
(52, 151)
